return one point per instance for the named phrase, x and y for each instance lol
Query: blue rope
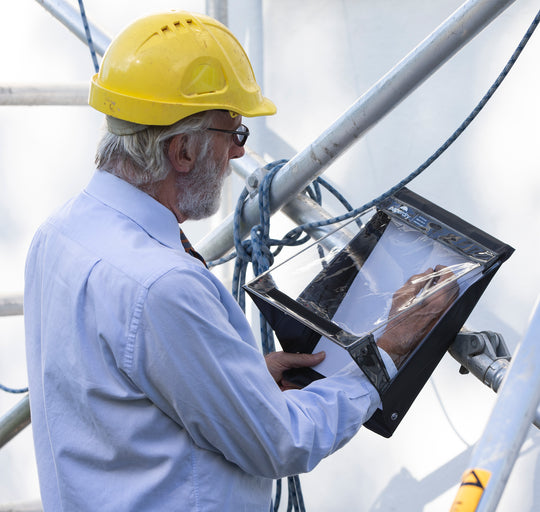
(88, 36)
(464, 125)
(296, 500)
(13, 390)
(278, 496)
(255, 250)
(336, 193)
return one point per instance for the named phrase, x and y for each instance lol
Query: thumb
(302, 360)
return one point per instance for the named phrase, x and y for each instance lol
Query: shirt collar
(157, 220)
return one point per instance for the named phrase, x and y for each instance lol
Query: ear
(179, 154)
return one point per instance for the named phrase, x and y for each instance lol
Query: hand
(420, 310)
(278, 362)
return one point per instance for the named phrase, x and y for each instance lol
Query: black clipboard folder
(340, 301)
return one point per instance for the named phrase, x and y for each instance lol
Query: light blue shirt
(147, 389)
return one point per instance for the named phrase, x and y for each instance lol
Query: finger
(441, 287)
(408, 292)
(419, 278)
(285, 385)
(419, 281)
(443, 273)
(446, 281)
(440, 299)
(439, 268)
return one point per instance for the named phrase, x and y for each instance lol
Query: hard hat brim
(162, 113)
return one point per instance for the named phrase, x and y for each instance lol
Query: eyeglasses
(239, 136)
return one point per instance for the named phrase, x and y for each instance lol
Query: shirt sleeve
(192, 358)
(388, 363)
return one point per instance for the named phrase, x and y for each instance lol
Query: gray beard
(199, 193)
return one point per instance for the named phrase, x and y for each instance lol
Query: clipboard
(339, 302)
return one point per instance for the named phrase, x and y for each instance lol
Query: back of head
(165, 67)
(139, 155)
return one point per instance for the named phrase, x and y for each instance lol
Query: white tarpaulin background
(319, 57)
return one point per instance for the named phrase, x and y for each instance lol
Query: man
(147, 388)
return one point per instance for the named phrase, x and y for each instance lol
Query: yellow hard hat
(165, 67)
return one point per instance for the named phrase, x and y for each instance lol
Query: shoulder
(187, 282)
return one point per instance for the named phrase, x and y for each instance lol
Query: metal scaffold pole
(60, 94)
(14, 421)
(218, 9)
(70, 17)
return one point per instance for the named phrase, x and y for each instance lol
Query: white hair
(141, 158)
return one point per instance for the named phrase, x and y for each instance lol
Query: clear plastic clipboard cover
(337, 294)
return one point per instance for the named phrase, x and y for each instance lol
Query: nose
(236, 151)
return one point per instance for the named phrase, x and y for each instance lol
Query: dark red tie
(189, 248)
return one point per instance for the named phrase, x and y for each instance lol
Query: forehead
(226, 121)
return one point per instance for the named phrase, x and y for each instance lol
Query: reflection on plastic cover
(400, 254)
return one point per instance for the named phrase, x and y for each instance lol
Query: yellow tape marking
(473, 483)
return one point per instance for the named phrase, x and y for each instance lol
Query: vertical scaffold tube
(515, 409)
